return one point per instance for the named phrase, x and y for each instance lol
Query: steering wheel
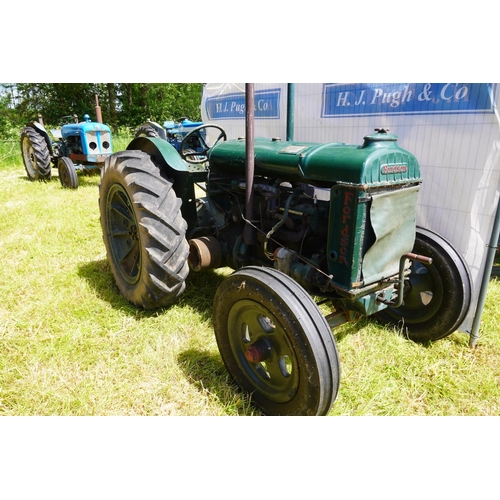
(68, 119)
(189, 153)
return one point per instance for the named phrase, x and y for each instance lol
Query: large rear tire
(437, 296)
(275, 342)
(143, 230)
(146, 131)
(36, 155)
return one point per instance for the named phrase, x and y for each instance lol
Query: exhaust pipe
(98, 114)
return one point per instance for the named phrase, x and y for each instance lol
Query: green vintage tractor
(313, 226)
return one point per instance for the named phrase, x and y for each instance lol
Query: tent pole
(490, 257)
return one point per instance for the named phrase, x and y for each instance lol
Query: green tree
(55, 100)
(113, 117)
(122, 104)
(9, 119)
(159, 102)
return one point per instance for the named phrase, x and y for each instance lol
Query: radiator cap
(381, 135)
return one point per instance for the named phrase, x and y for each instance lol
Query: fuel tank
(379, 160)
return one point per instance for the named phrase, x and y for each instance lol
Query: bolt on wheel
(275, 342)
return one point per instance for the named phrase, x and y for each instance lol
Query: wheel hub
(133, 233)
(258, 351)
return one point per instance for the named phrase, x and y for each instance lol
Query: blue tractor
(174, 133)
(76, 146)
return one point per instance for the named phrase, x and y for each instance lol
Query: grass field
(71, 345)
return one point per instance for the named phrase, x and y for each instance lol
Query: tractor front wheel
(143, 230)
(67, 173)
(36, 156)
(275, 342)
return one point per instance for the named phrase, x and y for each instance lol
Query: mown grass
(71, 345)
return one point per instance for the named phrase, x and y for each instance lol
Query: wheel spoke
(122, 209)
(118, 233)
(423, 287)
(203, 143)
(130, 261)
(278, 369)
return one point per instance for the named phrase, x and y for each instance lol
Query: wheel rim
(64, 174)
(123, 234)
(263, 351)
(426, 293)
(423, 295)
(29, 156)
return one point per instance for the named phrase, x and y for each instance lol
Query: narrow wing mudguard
(171, 167)
(158, 128)
(41, 130)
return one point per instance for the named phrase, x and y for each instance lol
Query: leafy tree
(55, 100)
(113, 118)
(9, 120)
(159, 102)
(122, 104)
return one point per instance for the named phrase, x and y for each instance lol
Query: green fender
(173, 168)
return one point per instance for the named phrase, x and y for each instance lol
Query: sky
(262, 42)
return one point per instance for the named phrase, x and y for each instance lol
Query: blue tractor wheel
(36, 155)
(146, 131)
(67, 173)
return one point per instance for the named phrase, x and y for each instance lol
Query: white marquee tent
(452, 128)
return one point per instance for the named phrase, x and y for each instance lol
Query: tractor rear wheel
(275, 342)
(146, 131)
(36, 156)
(143, 230)
(67, 173)
(191, 154)
(437, 296)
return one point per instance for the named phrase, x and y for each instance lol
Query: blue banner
(372, 99)
(232, 106)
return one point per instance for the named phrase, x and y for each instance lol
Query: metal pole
(290, 111)
(249, 234)
(490, 257)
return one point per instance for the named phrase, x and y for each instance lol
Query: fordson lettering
(394, 169)
(346, 215)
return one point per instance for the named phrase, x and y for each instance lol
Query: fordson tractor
(75, 146)
(317, 235)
